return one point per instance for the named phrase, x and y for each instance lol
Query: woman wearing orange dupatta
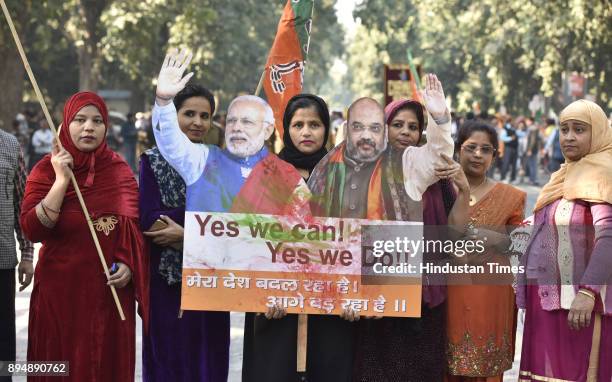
(481, 316)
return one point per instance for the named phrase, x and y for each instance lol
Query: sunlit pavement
(237, 322)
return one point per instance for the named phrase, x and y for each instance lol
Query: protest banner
(248, 262)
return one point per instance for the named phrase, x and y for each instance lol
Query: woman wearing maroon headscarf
(73, 316)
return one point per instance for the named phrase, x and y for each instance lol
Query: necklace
(473, 199)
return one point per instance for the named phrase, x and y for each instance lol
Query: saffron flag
(284, 73)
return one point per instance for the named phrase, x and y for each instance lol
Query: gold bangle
(587, 293)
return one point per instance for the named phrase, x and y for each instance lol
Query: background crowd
(529, 145)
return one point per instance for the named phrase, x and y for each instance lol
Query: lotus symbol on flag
(279, 70)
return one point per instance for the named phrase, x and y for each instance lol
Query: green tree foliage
(12, 73)
(111, 44)
(490, 51)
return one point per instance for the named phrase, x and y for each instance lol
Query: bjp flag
(284, 71)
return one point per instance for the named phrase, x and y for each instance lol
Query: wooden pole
(595, 345)
(41, 100)
(302, 334)
(260, 84)
(302, 342)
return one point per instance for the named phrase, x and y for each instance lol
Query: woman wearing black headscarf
(270, 353)
(306, 128)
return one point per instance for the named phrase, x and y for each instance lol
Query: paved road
(237, 321)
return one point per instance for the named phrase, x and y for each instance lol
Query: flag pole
(260, 84)
(55, 133)
(413, 71)
(302, 330)
(302, 342)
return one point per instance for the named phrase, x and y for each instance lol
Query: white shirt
(42, 141)
(418, 163)
(187, 158)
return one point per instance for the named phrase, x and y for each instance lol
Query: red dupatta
(106, 182)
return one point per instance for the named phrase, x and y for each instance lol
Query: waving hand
(170, 80)
(433, 95)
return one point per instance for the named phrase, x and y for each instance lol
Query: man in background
(130, 137)
(42, 142)
(12, 178)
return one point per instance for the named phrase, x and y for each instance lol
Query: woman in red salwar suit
(73, 316)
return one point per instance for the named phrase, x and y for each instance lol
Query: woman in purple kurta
(567, 288)
(194, 347)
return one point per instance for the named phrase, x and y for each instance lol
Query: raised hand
(170, 80)
(433, 95)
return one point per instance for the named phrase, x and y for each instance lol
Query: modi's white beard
(250, 147)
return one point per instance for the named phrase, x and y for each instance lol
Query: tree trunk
(11, 78)
(12, 73)
(88, 77)
(90, 12)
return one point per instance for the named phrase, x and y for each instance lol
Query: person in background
(549, 127)
(554, 151)
(454, 124)
(113, 137)
(12, 178)
(534, 145)
(21, 135)
(521, 130)
(129, 134)
(216, 134)
(41, 143)
(510, 137)
(497, 121)
(335, 133)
